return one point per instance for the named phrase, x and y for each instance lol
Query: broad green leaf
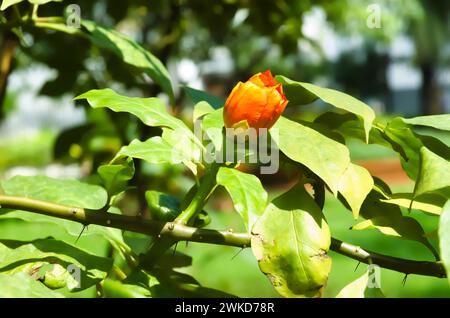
(66, 192)
(151, 111)
(181, 143)
(356, 288)
(154, 150)
(212, 125)
(130, 52)
(349, 126)
(444, 237)
(324, 156)
(355, 184)
(408, 144)
(290, 241)
(436, 121)
(198, 96)
(62, 191)
(93, 268)
(21, 285)
(115, 177)
(7, 3)
(71, 227)
(389, 220)
(430, 203)
(201, 109)
(309, 92)
(434, 174)
(246, 191)
(361, 288)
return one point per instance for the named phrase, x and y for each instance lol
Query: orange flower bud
(259, 102)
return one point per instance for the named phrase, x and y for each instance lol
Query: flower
(257, 103)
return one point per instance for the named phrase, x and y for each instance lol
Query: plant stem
(179, 232)
(162, 244)
(206, 187)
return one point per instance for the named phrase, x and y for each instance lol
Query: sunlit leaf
(62, 191)
(389, 220)
(290, 241)
(355, 185)
(436, 121)
(154, 150)
(115, 177)
(326, 157)
(201, 109)
(7, 3)
(428, 203)
(444, 237)
(248, 195)
(93, 268)
(356, 288)
(303, 93)
(434, 174)
(21, 285)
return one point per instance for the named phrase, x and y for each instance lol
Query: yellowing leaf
(355, 184)
(290, 241)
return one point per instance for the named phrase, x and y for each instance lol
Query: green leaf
(154, 150)
(290, 241)
(7, 3)
(169, 283)
(39, 2)
(67, 192)
(115, 177)
(115, 289)
(151, 111)
(21, 285)
(130, 52)
(182, 144)
(355, 184)
(441, 122)
(198, 96)
(356, 288)
(408, 144)
(309, 92)
(360, 288)
(434, 174)
(324, 156)
(93, 268)
(444, 237)
(429, 203)
(212, 125)
(246, 191)
(163, 207)
(201, 109)
(389, 220)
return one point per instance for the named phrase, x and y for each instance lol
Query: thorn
(404, 280)
(357, 265)
(175, 249)
(79, 235)
(239, 252)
